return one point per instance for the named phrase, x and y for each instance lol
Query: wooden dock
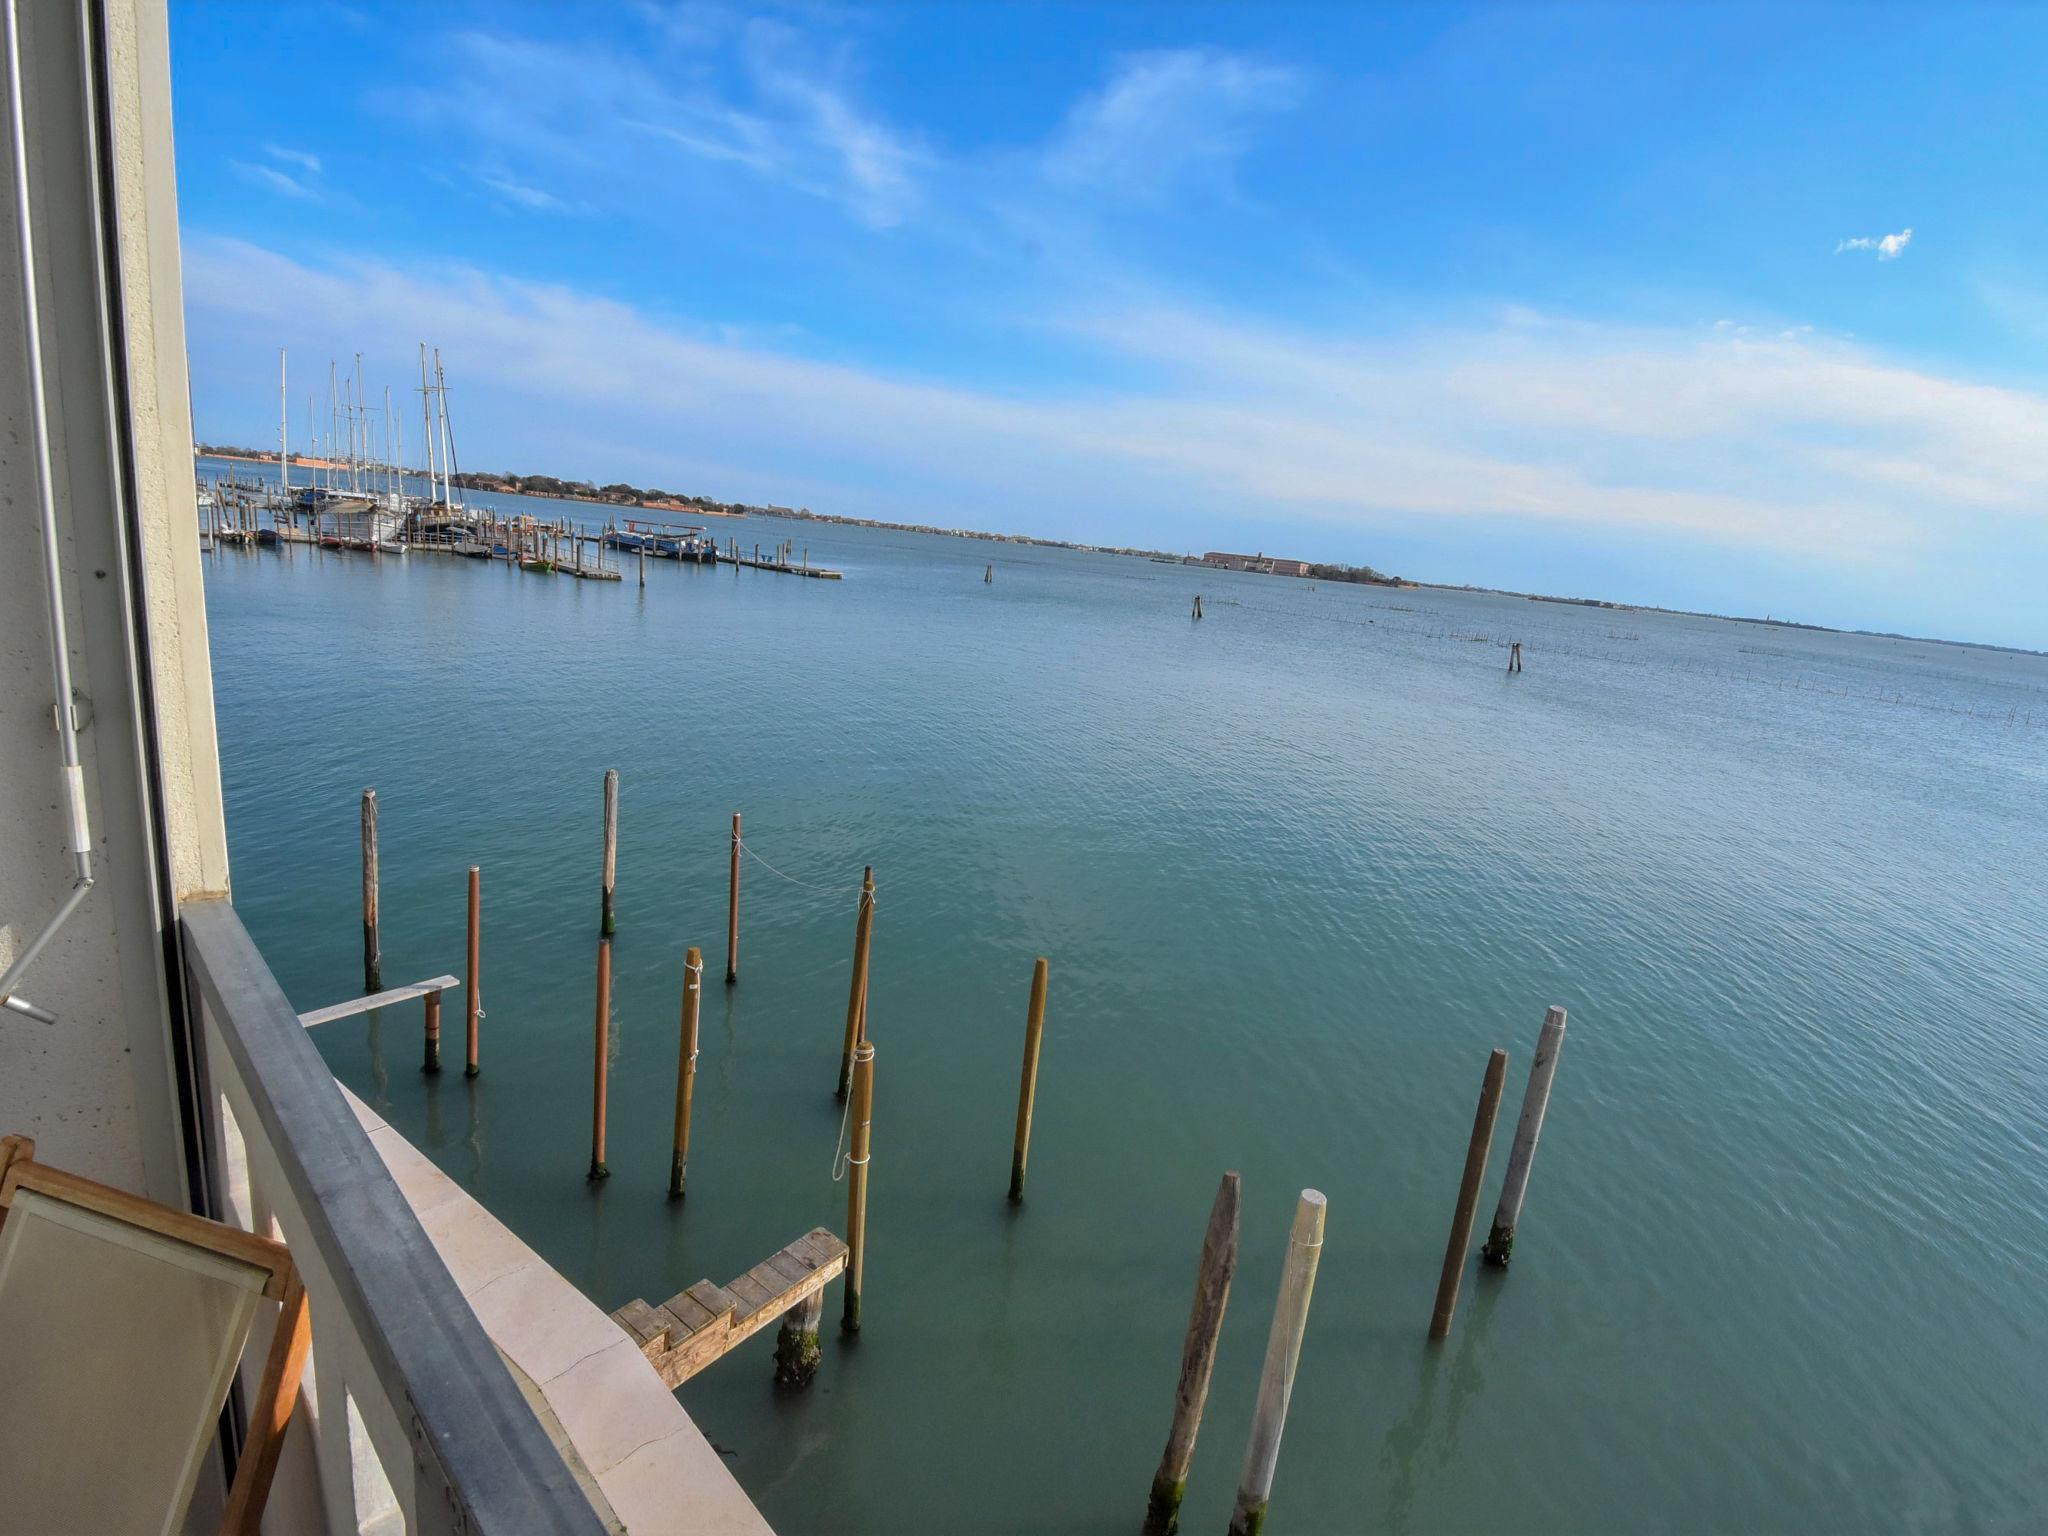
(817, 572)
(696, 1326)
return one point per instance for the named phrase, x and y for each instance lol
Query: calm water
(1297, 867)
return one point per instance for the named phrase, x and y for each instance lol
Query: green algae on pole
(797, 1350)
(1468, 1196)
(1283, 1354)
(603, 1033)
(857, 994)
(373, 960)
(606, 924)
(732, 910)
(1027, 1087)
(860, 1112)
(1514, 1187)
(686, 1070)
(1213, 1274)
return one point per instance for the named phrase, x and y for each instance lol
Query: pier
(699, 1324)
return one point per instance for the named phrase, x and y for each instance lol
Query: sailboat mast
(362, 420)
(284, 459)
(427, 424)
(441, 397)
(333, 423)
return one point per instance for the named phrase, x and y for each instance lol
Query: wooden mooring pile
(700, 1324)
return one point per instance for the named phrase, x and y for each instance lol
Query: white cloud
(1783, 443)
(595, 114)
(274, 180)
(1888, 247)
(1165, 117)
(304, 160)
(520, 195)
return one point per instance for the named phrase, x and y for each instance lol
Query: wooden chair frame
(278, 1394)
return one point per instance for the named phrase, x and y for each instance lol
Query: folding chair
(122, 1324)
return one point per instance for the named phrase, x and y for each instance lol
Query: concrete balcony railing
(409, 1418)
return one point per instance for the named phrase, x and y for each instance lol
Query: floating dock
(816, 572)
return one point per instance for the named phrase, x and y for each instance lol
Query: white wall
(97, 1089)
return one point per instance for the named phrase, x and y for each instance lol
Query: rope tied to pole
(748, 849)
(842, 1155)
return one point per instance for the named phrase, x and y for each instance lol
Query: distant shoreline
(1163, 556)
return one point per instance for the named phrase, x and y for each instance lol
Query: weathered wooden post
(989, 576)
(433, 1057)
(859, 1112)
(857, 994)
(606, 924)
(1514, 1188)
(1197, 1359)
(1468, 1196)
(797, 1351)
(686, 1070)
(1283, 1354)
(373, 960)
(732, 910)
(598, 1170)
(1027, 1087)
(471, 997)
(643, 565)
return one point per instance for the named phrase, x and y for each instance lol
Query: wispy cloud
(1767, 442)
(303, 159)
(1165, 117)
(518, 194)
(273, 180)
(1888, 247)
(772, 108)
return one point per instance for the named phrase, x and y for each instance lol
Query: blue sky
(1728, 307)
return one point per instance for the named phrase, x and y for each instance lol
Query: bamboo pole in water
(373, 959)
(857, 993)
(686, 1070)
(1514, 1187)
(859, 1112)
(1197, 1359)
(602, 1072)
(732, 910)
(471, 999)
(1027, 1087)
(1468, 1196)
(1283, 1354)
(606, 923)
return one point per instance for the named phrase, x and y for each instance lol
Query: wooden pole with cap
(1283, 1354)
(732, 910)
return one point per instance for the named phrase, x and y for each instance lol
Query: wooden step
(699, 1324)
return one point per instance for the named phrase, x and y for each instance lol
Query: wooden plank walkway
(696, 1326)
(815, 572)
(378, 1000)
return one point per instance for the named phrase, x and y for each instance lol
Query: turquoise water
(1298, 867)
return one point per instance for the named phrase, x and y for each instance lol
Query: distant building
(1265, 565)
